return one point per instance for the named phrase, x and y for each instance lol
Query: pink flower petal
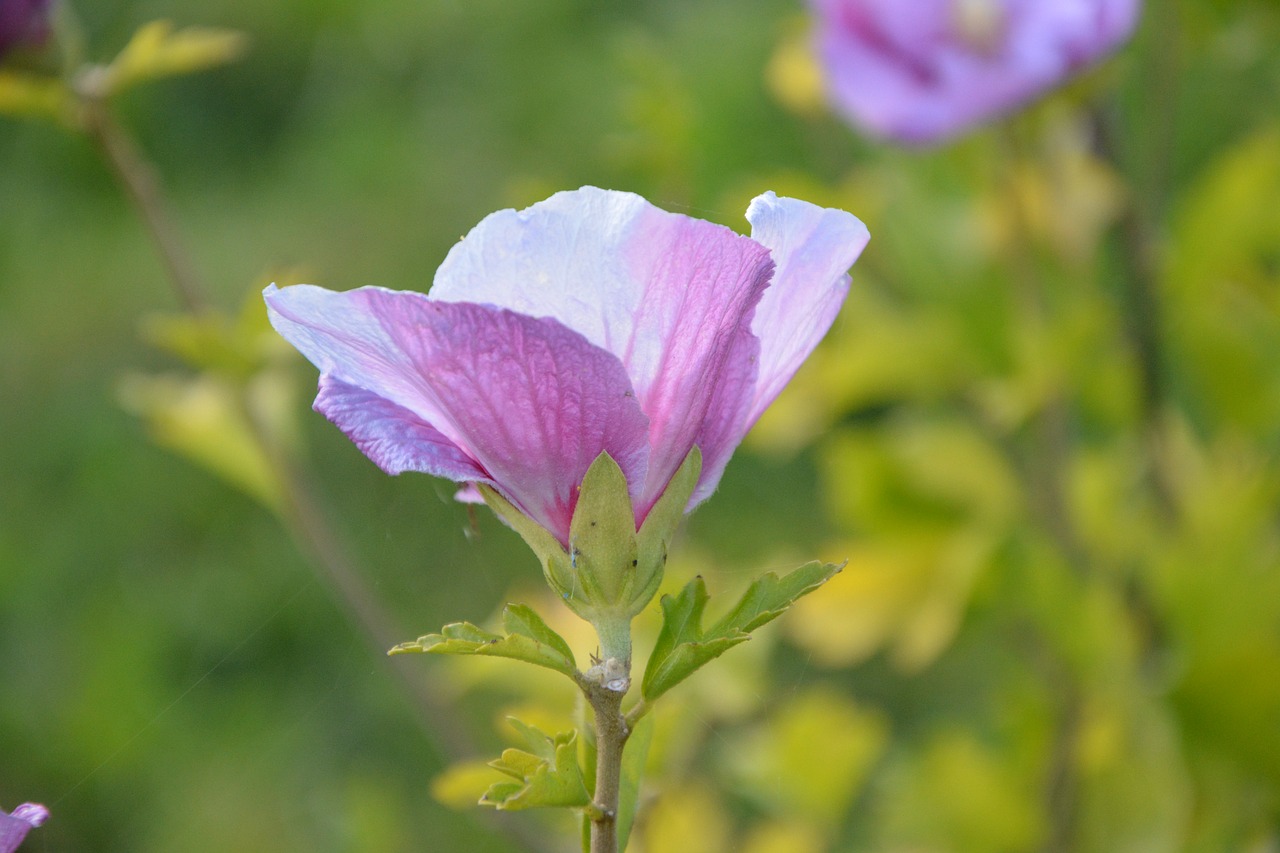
(395, 438)
(813, 247)
(529, 402)
(14, 827)
(667, 294)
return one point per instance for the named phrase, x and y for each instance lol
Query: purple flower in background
(26, 817)
(920, 71)
(589, 322)
(23, 22)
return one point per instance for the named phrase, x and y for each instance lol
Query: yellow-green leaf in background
(460, 786)
(32, 96)
(684, 817)
(811, 756)
(784, 837)
(908, 596)
(961, 796)
(157, 50)
(203, 418)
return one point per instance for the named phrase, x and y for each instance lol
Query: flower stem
(611, 738)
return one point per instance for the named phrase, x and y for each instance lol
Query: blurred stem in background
(1044, 467)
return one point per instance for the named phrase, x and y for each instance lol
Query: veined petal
(727, 416)
(813, 247)
(667, 294)
(393, 437)
(530, 402)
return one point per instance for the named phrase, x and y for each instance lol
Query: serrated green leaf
(683, 646)
(769, 595)
(549, 777)
(520, 619)
(528, 639)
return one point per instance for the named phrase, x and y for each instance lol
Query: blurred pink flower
(26, 817)
(589, 322)
(23, 22)
(920, 71)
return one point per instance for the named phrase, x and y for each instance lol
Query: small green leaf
(768, 596)
(548, 777)
(550, 553)
(683, 646)
(527, 639)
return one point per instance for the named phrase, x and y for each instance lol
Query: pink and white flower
(921, 71)
(590, 322)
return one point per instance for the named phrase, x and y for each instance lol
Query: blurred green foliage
(1044, 432)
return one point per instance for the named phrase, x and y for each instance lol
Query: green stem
(615, 642)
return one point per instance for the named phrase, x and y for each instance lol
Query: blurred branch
(1050, 428)
(138, 177)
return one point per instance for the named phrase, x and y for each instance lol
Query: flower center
(980, 24)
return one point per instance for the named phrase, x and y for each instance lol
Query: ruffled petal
(393, 437)
(14, 827)
(813, 247)
(530, 402)
(667, 294)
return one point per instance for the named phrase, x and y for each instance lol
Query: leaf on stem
(527, 638)
(548, 776)
(30, 96)
(683, 646)
(156, 50)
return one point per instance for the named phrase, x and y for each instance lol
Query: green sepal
(602, 535)
(610, 571)
(683, 646)
(659, 527)
(549, 776)
(550, 553)
(527, 638)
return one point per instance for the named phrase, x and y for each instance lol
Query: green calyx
(611, 570)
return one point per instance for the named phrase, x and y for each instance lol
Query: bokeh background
(1044, 431)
